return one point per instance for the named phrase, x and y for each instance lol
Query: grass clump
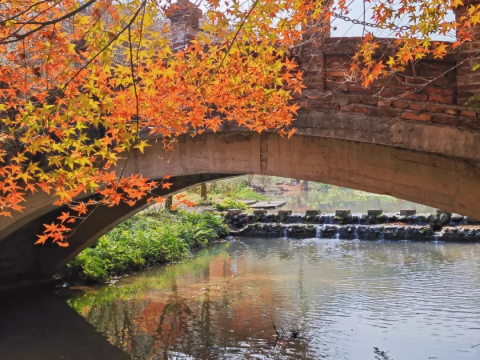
(247, 193)
(230, 203)
(144, 240)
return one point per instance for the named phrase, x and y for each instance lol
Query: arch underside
(435, 180)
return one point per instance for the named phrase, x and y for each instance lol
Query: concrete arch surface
(446, 182)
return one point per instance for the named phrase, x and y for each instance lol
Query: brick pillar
(184, 19)
(468, 81)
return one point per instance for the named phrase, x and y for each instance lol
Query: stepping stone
(342, 213)
(268, 204)
(312, 212)
(248, 202)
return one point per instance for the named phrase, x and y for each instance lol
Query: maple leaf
(64, 216)
(166, 185)
(291, 132)
(41, 239)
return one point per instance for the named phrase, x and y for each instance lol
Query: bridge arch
(446, 182)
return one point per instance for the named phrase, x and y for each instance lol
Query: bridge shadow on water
(41, 326)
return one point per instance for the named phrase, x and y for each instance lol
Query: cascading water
(337, 235)
(318, 231)
(284, 233)
(381, 237)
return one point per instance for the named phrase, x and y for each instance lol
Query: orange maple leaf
(41, 239)
(166, 185)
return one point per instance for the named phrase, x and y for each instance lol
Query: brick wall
(431, 90)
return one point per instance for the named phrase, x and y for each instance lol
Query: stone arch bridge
(411, 136)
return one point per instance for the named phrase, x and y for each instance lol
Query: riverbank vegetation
(146, 239)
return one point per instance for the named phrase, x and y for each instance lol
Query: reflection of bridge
(410, 136)
(46, 328)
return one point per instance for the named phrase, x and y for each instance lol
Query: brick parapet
(427, 91)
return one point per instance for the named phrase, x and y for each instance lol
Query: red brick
(450, 111)
(434, 108)
(354, 108)
(335, 73)
(432, 90)
(354, 99)
(400, 104)
(448, 92)
(414, 116)
(325, 105)
(385, 103)
(369, 100)
(298, 96)
(417, 106)
(304, 104)
(447, 120)
(383, 111)
(468, 113)
(415, 96)
(441, 99)
(358, 89)
(360, 109)
(335, 86)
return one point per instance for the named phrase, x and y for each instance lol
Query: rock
(233, 212)
(381, 218)
(456, 218)
(408, 212)
(444, 219)
(342, 213)
(282, 214)
(374, 212)
(259, 212)
(312, 213)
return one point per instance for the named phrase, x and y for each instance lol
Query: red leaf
(166, 185)
(41, 239)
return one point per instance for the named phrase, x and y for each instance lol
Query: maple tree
(85, 83)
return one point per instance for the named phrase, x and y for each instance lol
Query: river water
(328, 299)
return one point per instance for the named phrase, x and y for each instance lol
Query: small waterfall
(337, 235)
(382, 235)
(406, 235)
(284, 232)
(318, 231)
(356, 235)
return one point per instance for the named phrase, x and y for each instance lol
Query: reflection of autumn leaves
(196, 308)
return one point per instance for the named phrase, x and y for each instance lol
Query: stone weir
(374, 225)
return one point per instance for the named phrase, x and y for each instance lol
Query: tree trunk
(168, 203)
(203, 191)
(303, 184)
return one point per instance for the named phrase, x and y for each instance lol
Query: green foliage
(144, 240)
(230, 203)
(247, 193)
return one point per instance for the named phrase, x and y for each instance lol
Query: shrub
(145, 240)
(230, 203)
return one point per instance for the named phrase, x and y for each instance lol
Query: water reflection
(328, 299)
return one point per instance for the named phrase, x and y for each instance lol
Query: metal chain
(358, 22)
